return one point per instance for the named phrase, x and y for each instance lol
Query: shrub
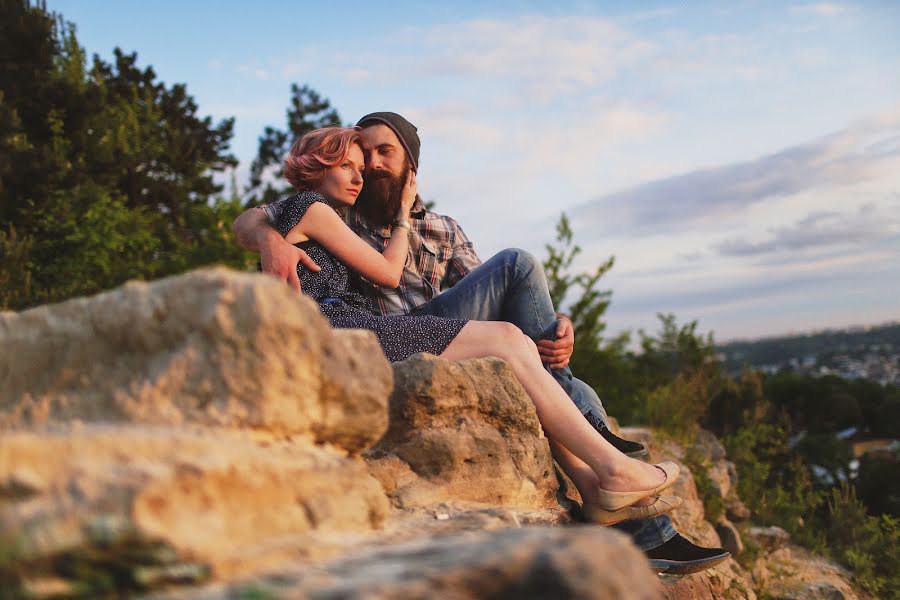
(867, 545)
(713, 504)
(773, 481)
(676, 407)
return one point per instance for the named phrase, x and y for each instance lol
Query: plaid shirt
(440, 255)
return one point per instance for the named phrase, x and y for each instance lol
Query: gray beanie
(406, 132)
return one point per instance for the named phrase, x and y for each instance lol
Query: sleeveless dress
(337, 291)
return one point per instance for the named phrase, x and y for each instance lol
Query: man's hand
(557, 353)
(280, 259)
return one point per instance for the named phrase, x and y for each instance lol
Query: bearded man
(443, 276)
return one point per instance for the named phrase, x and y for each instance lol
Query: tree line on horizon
(109, 174)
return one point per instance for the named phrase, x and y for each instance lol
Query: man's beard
(381, 196)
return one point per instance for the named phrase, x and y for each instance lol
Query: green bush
(713, 505)
(868, 546)
(773, 482)
(676, 407)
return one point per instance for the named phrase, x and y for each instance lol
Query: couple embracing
(358, 239)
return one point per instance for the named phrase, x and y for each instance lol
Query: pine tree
(308, 111)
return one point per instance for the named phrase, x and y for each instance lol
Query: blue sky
(741, 160)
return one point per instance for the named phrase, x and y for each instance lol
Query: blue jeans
(511, 286)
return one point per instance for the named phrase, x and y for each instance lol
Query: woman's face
(343, 181)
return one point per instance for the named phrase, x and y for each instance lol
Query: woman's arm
(323, 225)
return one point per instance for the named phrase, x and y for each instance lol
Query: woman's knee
(529, 344)
(505, 339)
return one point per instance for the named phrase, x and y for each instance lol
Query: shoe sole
(686, 567)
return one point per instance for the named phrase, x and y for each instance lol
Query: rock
(530, 563)
(213, 347)
(214, 496)
(690, 518)
(720, 476)
(793, 573)
(768, 538)
(462, 431)
(714, 449)
(729, 536)
(727, 580)
(209, 436)
(736, 510)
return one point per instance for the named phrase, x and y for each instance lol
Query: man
(444, 276)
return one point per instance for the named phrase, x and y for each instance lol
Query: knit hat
(406, 132)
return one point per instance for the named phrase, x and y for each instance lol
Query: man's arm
(278, 258)
(557, 353)
(462, 261)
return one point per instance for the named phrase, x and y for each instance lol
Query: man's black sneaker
(679, 556)
(627, 447)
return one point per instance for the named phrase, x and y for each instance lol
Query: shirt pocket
(433, 260)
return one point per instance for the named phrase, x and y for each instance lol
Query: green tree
(105, 173)
(674, 350)
(308, 110)
(737, 404)
(600, 362)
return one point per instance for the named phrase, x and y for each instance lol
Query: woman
(326, 168)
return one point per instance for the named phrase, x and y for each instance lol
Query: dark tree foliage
(106, 173)
(877, 482)
(308, 111)
(816, 404)
(738, 403)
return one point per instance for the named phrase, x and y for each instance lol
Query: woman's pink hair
(315, 152)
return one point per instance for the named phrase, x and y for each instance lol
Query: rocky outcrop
(780, 570)
(214, 497)
(455, 426)
(727, 580)
(209, 436)
(788, 572)
(213, 347)
(213, 428)
(532, 563)
(793, 573)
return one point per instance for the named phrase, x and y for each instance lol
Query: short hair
(315, 152)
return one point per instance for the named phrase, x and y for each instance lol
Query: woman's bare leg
(578, 471)
(559, 417)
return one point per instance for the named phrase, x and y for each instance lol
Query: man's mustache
(379, 174)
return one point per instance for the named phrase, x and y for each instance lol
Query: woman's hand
(410, 190)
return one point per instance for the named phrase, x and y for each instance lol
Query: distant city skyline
(741, 160)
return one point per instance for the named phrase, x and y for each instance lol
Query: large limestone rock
(462, 432)
(228, 500)
(213, 347)
(530, 563)
(792, 573)
(211, 430)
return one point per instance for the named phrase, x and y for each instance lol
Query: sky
(740, 160)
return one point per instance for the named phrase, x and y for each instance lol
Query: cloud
(539, 57)
(855, 154)
(818, 229)
(823, 9)
(253, 71)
